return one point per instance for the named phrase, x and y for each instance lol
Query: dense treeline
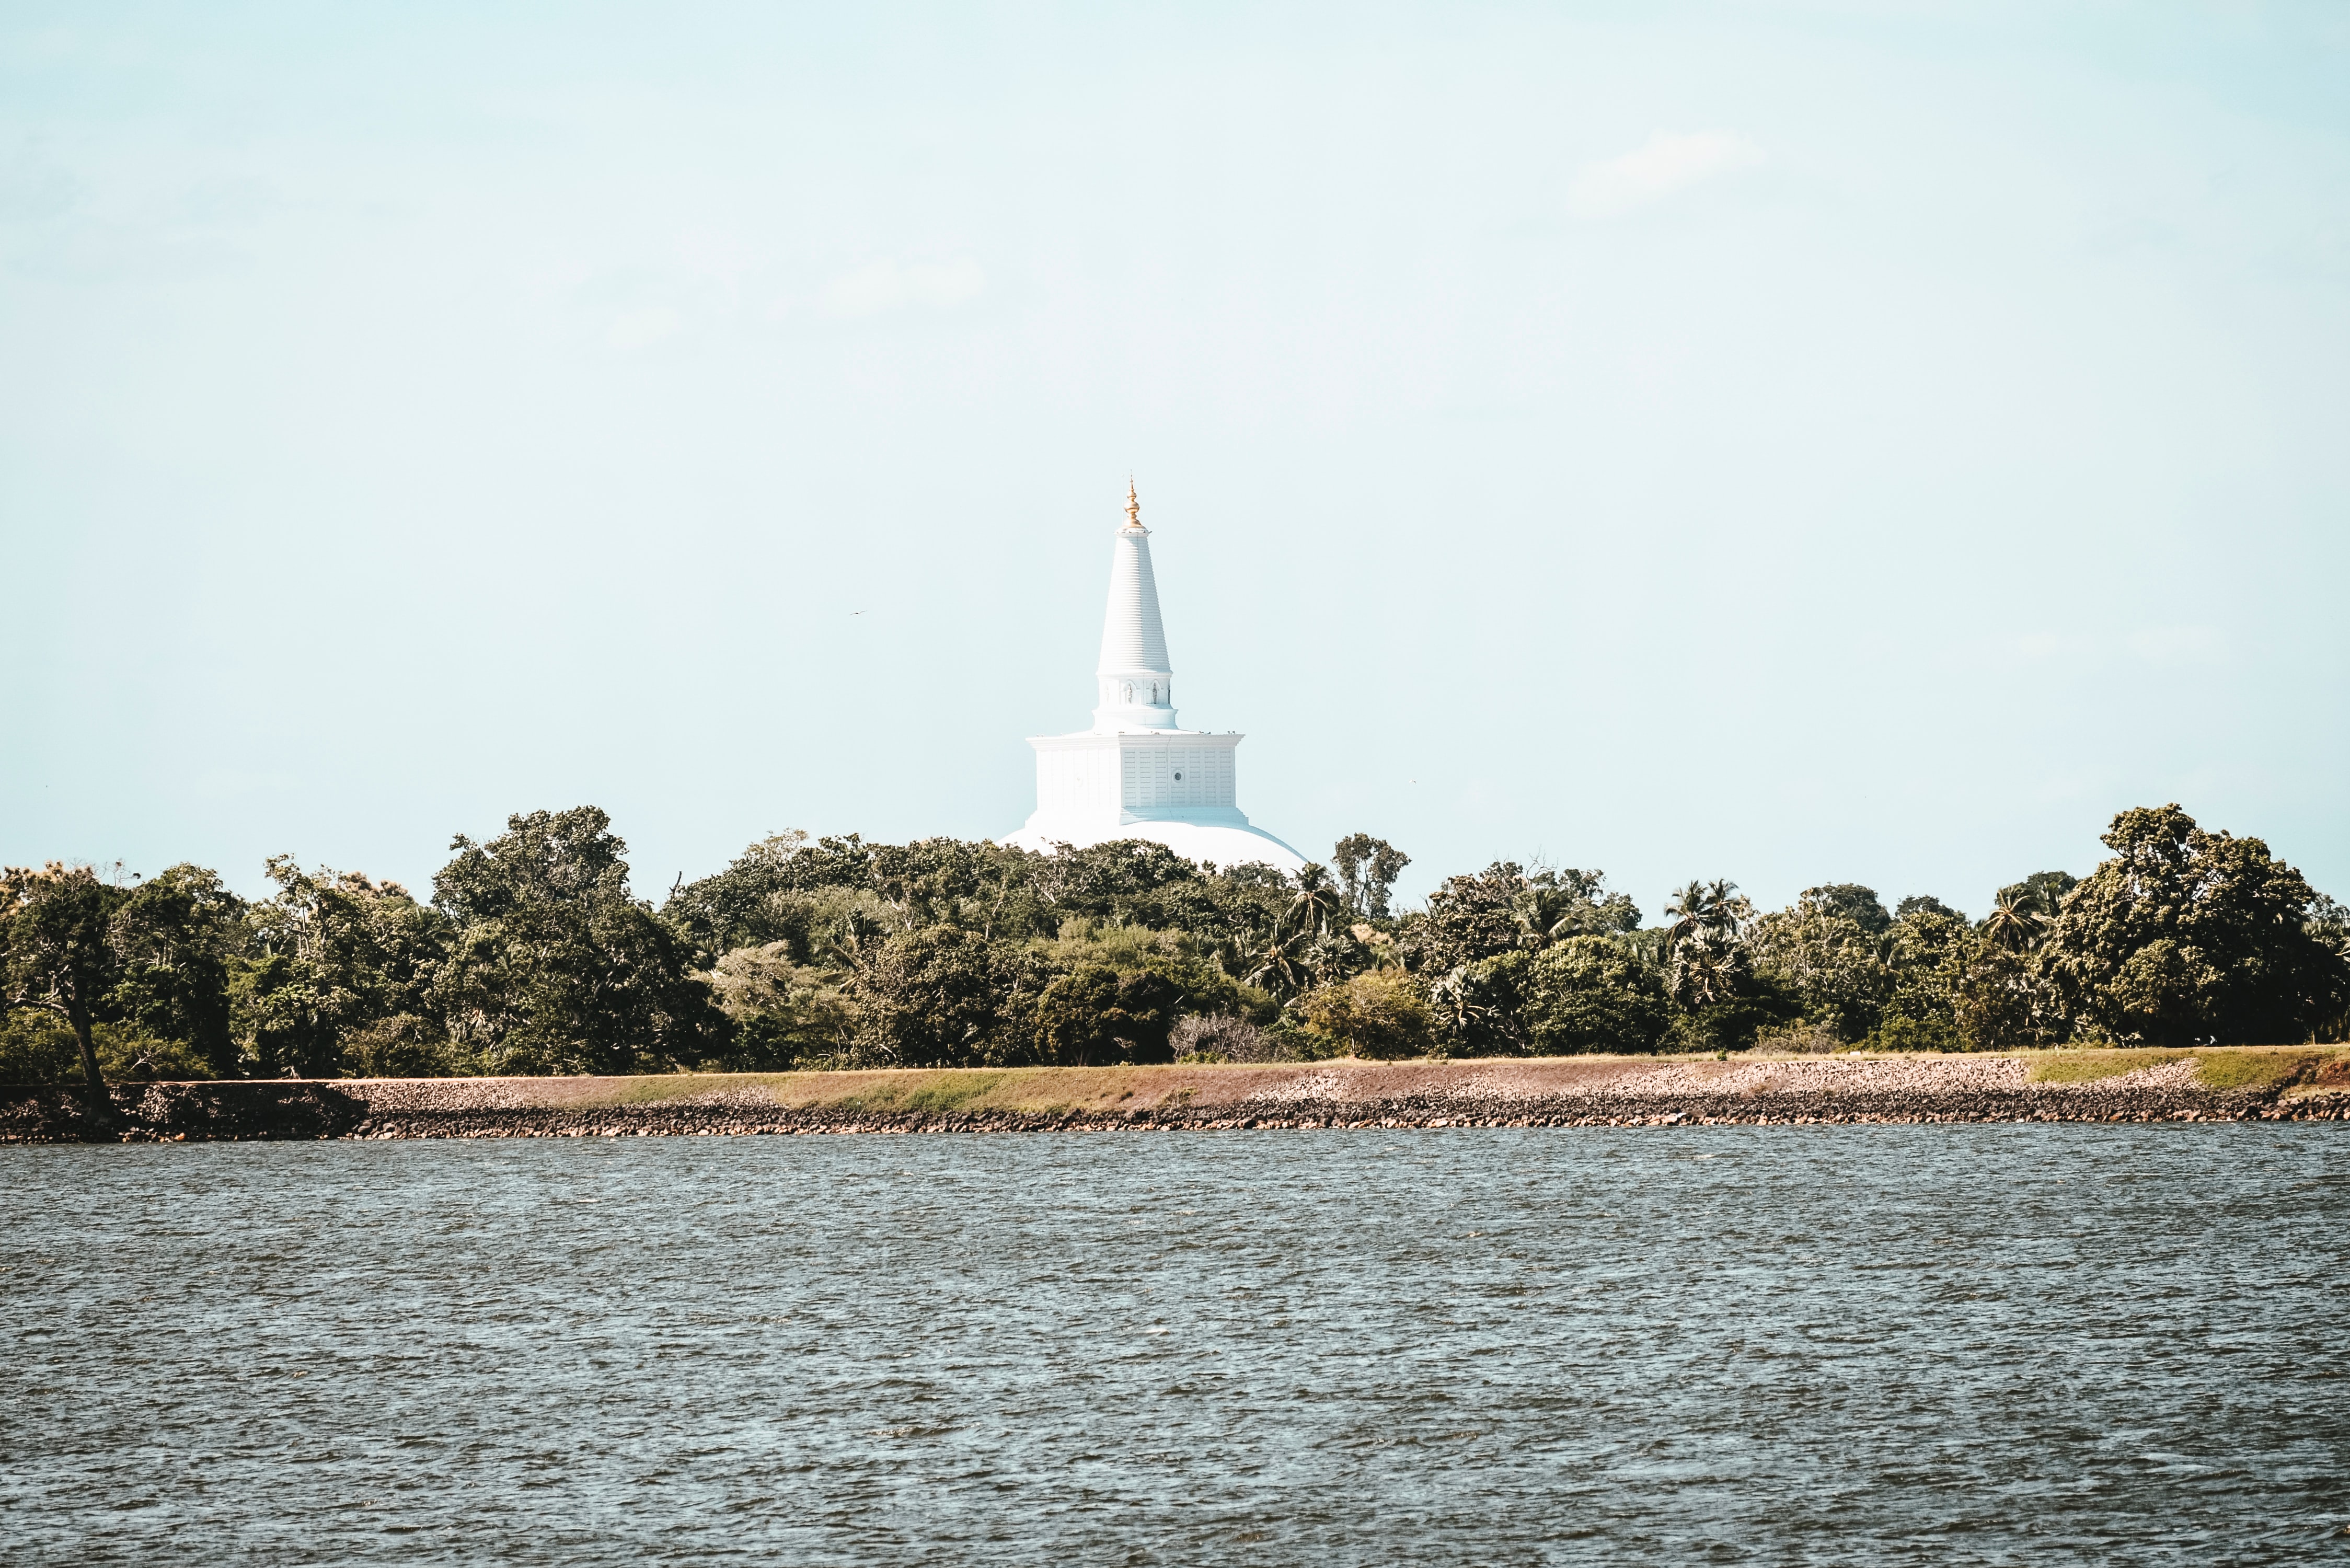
(532, 956)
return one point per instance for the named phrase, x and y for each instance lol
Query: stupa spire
(1135, 683)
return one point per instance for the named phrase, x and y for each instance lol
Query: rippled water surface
(1828, 1345)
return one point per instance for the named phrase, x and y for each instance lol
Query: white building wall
(1078, 782)
(1176, 778)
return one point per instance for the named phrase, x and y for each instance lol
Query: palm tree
(2016, 923)
(1688, 912)
(1316, 898)
(1276, 968)
(1454, 1003)
(1707, 912)
(1328, 957)
(1702, 974)
(1702, 946)
(1547, 913)
(856, 938)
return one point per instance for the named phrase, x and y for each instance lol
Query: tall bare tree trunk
(101, 1106)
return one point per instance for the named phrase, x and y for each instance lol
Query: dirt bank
(2296, 1084)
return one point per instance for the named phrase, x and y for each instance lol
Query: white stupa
(1134, 775)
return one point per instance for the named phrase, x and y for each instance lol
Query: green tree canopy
(1594, 993)
(332, 954)
(1846, 900)
(1832, 949)
(176, 935)
(1924, 903)
(1469, 918)
(1367, 868)
(60, 954)
(1380, 1016)
(945, 997)
(1924, 953)
(2186, 935)
(1504, 909)
(1096, 1015)
(2043, 890)
(554, 966)
(771, 892)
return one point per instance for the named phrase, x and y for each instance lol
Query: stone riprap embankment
(2297, 1085)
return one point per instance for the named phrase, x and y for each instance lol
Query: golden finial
(1133, 504)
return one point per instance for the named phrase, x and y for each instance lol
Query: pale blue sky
(1801, 443)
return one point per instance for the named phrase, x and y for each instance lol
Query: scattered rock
(1618, 1092)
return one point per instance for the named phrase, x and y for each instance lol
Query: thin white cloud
(643, 328)
(1667, 164)
(893, 286)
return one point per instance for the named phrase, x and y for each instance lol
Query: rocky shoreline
(1570, 1092)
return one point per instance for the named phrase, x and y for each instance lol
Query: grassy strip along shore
(2286, 1084)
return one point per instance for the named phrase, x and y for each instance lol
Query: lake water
(1952, 1345)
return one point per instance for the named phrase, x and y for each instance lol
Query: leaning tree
(60, 956)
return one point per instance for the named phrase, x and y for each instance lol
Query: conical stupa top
(1137, 773)
(1133, 640)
